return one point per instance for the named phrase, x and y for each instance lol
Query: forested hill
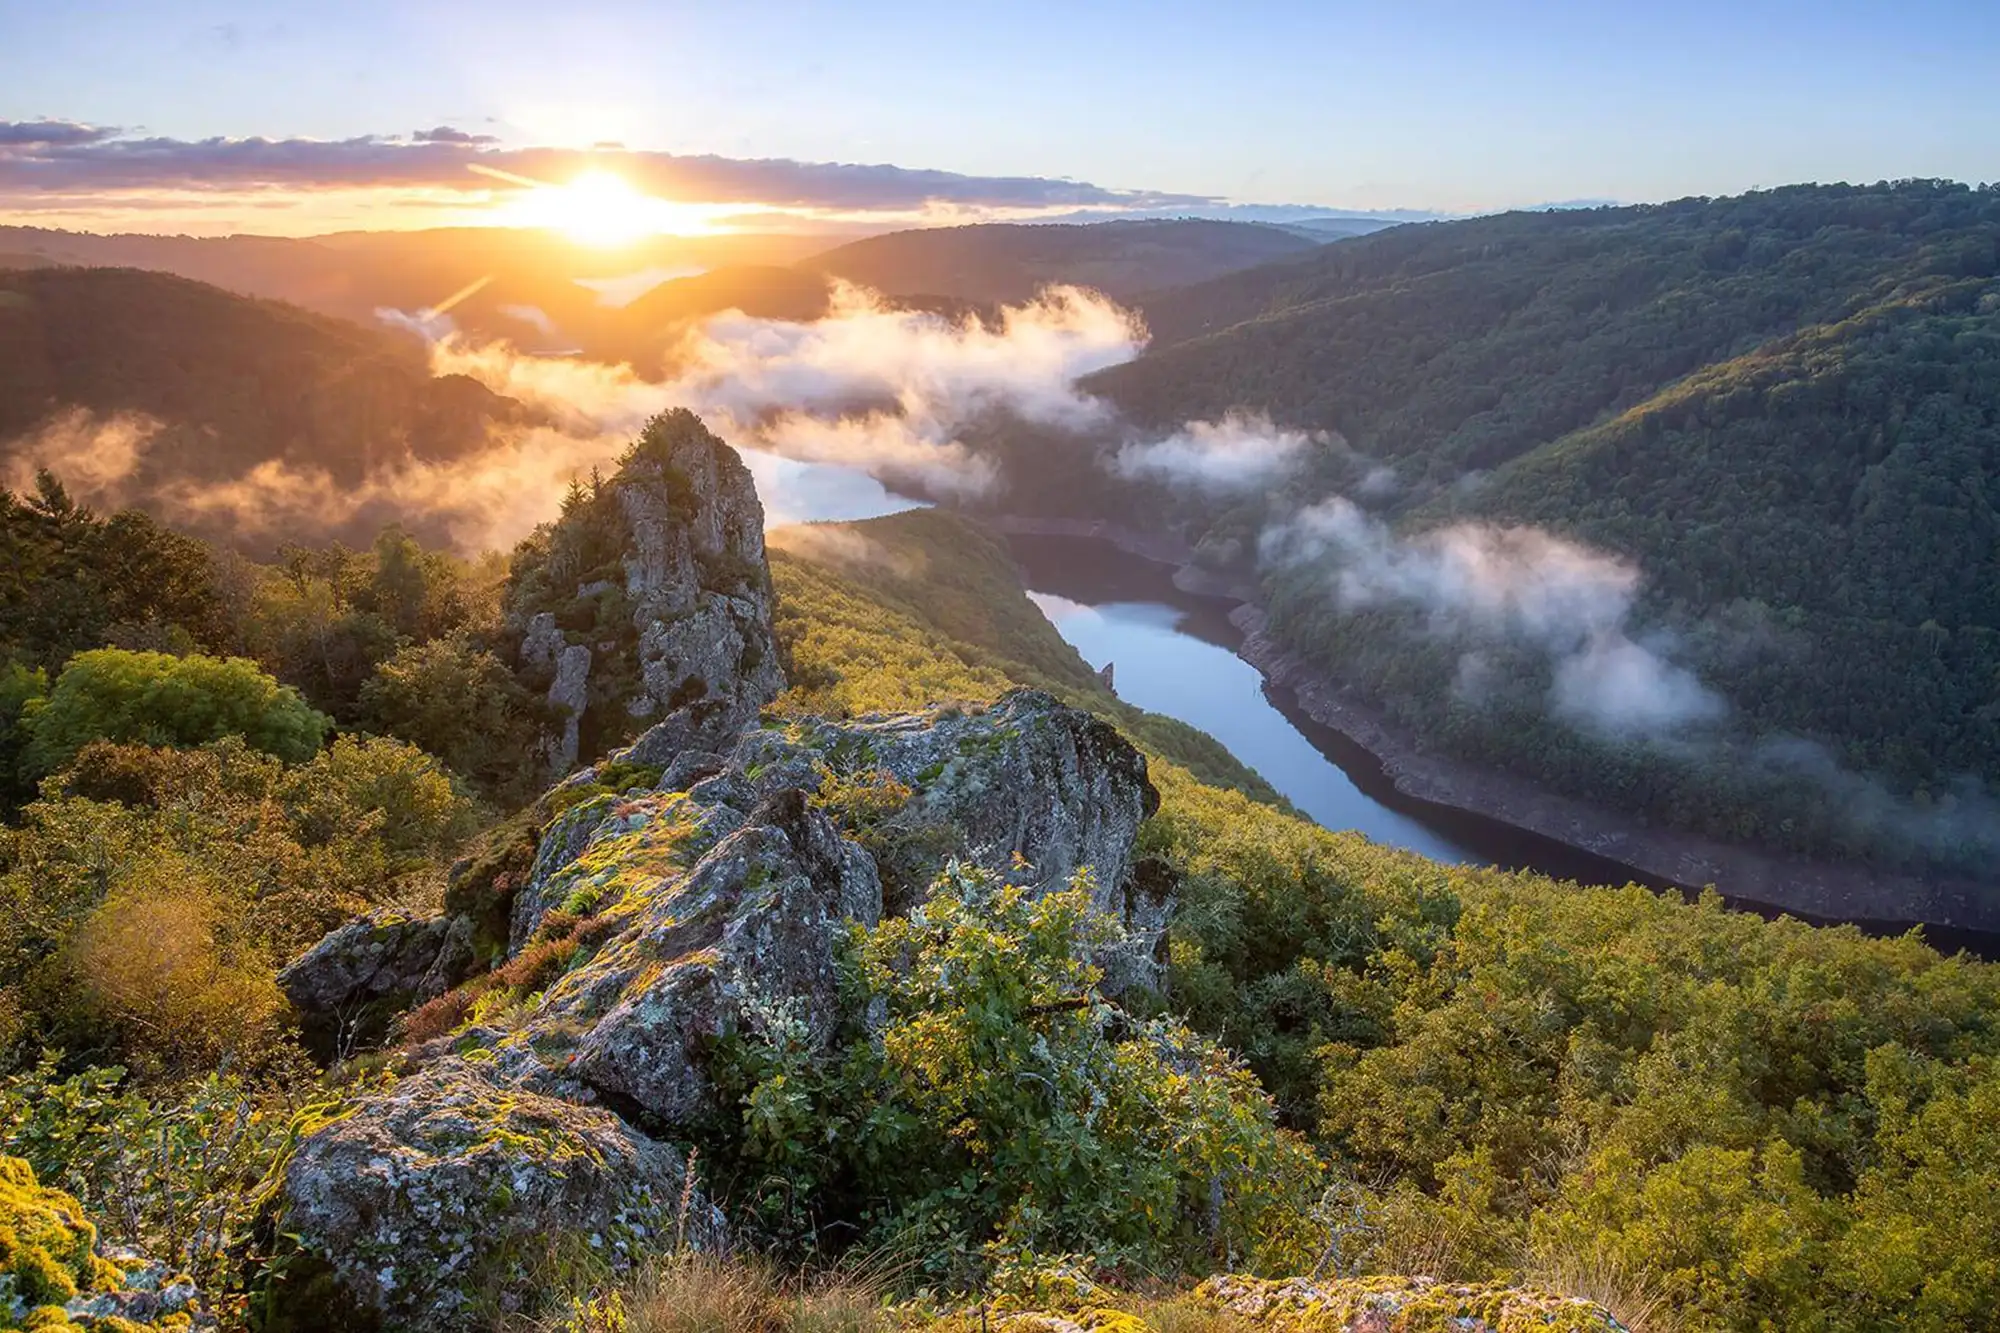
(233, 381)
(999, 262)
(1463, 344)
(1783, 409)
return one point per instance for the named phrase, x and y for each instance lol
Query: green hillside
(926, 607)
(1783, 407)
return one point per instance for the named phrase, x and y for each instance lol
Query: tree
(462, 705)
(156, 699)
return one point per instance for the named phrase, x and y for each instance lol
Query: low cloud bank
(1572, 603)
(1241, 452)
(1484, 586)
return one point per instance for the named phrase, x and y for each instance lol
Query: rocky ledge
(695, 887)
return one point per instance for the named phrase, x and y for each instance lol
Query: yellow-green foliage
(1401, 1305)
(1700, 1115)
(924, 608)
(48, 1251)
(150, 894)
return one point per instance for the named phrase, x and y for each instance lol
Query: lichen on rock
(448, 1197)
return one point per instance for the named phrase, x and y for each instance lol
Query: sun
(601, 208)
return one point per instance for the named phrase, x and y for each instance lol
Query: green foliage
(175, 1177)
(1002, 1099)
(19, 687)
(326, 619)
(461, 704)
(1688, 1111)
(150, 894)
(157, 699)
(70, 580)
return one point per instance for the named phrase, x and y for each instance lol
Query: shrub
(156, 699)
(174, 1176)
(1003, 1099)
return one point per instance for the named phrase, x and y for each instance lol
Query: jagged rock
(593, 854)
(348, 987)
(569, 693)
(741, 940)
(1029, 787)
(441, 1202)
(651, 592)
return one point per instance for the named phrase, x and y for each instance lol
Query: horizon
(625, 121)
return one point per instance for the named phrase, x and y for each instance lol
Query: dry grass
(704, 1293)
(1635, 1299)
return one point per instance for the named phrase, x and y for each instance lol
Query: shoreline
(1820, 889)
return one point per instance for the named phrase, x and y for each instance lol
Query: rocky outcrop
(649, 593)
(437, 1203)
(659, 925)
(348, 987)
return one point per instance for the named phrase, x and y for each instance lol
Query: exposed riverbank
(1821, 889)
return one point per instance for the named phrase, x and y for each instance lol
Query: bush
(464, 706)
(174, 1176)
(155, 699)
(1003, 1099)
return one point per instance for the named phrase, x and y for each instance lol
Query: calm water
(1163, 668)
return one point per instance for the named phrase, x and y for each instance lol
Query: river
(1174, 652)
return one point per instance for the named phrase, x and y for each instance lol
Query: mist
(1241, 452)
(1571, 603)
(886, 392)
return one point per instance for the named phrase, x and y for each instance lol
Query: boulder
(743, 940)
(347, 988)
(441, 1202)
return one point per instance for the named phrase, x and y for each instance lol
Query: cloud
(1242, 452)
(891, 391)
(833, 544)
(446, 134)
(1525, 585)
(66, 158)
(21, 135)
(93, 456)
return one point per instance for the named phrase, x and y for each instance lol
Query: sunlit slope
(926, 607)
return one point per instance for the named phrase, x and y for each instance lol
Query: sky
(963, 110)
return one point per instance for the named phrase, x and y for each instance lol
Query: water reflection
(1160, 668)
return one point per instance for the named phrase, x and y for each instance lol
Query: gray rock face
(349, 986)
(1030, 787)
(744, 941)
(650, 593)
(433, 1205)
(712, 908)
